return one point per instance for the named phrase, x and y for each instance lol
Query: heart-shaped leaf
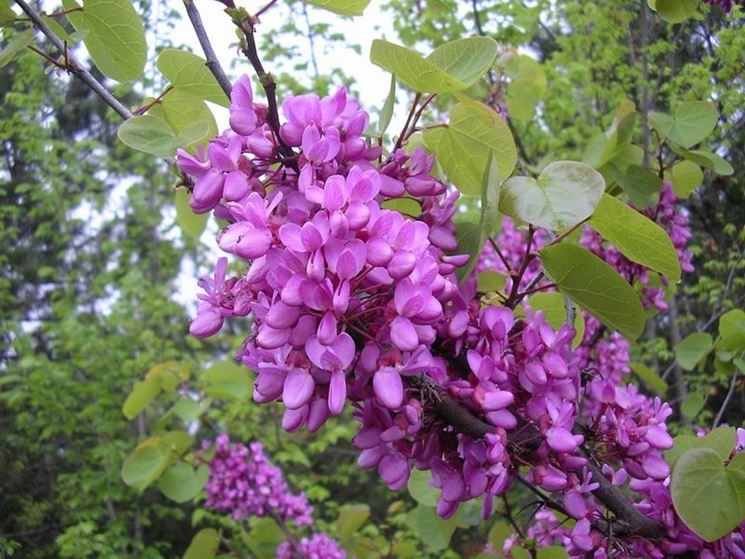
(721, 440)
(692, 349)
(709, 498)
(563, 195)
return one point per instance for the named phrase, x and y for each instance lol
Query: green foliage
(204, 545)
(595, 286)
(709, 497)
(16, 45)
(638, 238)
(151, 134)
(564, 194)
(463, 148)
(555, 307)
(343, 7)
(188, 73)
(692, 349)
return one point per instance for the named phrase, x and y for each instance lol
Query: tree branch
(73, 65)
(212, 63)
(629, 521)
(246, 25)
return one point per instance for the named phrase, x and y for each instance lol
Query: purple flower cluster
(353, 303)
(244, 483)
(725, 5)
(673, 220)
(318, 546)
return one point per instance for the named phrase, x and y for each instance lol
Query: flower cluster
(318, 546)
(350, 301)
(244, 483)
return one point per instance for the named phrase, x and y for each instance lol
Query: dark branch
(73, 65)
(246, 25)
(629, 521)
(212, 63)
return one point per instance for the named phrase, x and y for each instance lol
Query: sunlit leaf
(342, 7)
(189, 73)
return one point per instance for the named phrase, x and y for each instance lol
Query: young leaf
(149, 134)
(115, 39)
(464, 147)
(687, 177)
(489, 213)
(203, 545)
(554, 309)
(732, 331)
(191, 224)
(225, 379)
(142, 394)
(692, 349)
(676, 11)
(145, 464)
(637, 237)
(412, 69)
(692, 405)
(181, 483)
(341, 7)
(421, 488)
(189, 73)
(709, 498)
(18, 43)
(565, 193)
(691, 123)
(467, 60)
(596, 287)
(386, 113)
(650, 378)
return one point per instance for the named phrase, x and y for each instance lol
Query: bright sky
(372, 81)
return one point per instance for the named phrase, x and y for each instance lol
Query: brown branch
(629, 521)
(246, 25)
(212, 63)
(73, 65)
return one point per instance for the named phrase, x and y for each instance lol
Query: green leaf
(341, 7)
(186, 409)
(596, 287)
(386, 113)
(721, 440)
(554, 309)
(649, 377)
(409, 207)
(489, 214)
(413, 70)
(351, 518)
(434, 531)
(708, 498)
(552, 552)
(18, 43)
(7, 15)
(264, 537)
(226, 379)
(193, 225)
(189, 73)
(732, 331)
(181, 483)
(499, 533)
(565, 194)
(149, 134)
(115, 39)
(692, 349)
(464, 146)
(637, 237)
(692, 405)
(178, 441)
(203, 545)
(639, 184)
(527, 86)
(676, 11)
(490, 281)
(421, 490)
(710, 160)
(691, 123)
(181, 110)
(142, 394)
(687, 177)
(467, 59)
(145, 464)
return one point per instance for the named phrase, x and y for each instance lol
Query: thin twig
(212, 63)
(726, 402)
(402, 136)
(72, 63)
(267, 81)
